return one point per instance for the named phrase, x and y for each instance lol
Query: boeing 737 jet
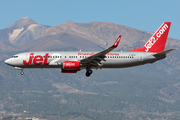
(72, 62)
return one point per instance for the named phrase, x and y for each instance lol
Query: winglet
(117, 42)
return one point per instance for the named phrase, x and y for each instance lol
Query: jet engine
(70, 66)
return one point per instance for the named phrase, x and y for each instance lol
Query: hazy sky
(139, 14)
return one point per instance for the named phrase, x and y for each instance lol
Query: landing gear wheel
(22, 73)
(88, 73)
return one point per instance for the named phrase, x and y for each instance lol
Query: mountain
(23, 31)
(23, 22)
(61, 42)
(101, 33)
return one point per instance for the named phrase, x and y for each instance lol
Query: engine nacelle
(71, 65)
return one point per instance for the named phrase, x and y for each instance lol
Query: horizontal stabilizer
(164, 53)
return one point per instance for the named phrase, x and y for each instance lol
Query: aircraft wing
(95, 59)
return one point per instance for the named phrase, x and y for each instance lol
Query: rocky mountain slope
(23, 31)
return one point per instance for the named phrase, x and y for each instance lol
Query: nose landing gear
(22, 73)
(18, 68)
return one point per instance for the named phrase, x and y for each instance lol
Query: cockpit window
(14, 56)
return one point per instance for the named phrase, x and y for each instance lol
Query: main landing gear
(88, 72)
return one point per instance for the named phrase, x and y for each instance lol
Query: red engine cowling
(71, 65)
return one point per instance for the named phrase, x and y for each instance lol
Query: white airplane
(71, 62)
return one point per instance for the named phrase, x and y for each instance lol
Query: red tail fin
(158, 41)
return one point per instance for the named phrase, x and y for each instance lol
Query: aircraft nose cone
(8, 61)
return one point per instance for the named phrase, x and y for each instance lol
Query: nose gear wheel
(22, 73)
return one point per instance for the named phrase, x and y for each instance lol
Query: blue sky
(139, 14)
